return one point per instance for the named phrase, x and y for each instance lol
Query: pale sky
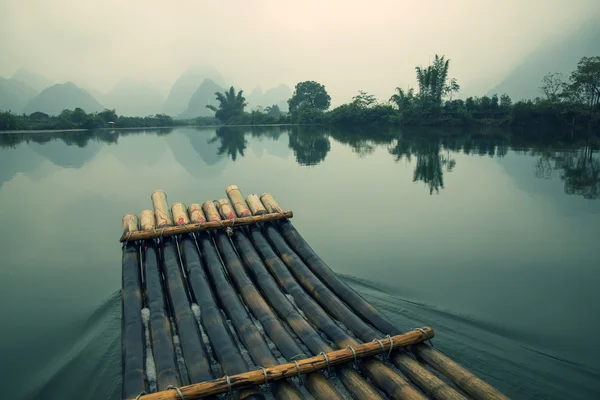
(345, 45)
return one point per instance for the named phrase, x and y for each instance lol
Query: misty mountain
(204, 95)
(134, 98)
(36, 82)
(278, 95)
(558, 56)
(62, 96)
(14, 95)
(254, 98)
(182, 90)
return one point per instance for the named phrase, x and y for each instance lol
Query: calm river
(493, 242)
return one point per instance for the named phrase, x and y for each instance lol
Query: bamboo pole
(196, 214)
(356, 385)
(235, 310)
(237, 200)
(464, 379)
(132, 328)
(316, 382)
(384, 377)
(256, 207)
(224, 347)
(161, 209)
(428, 382)
(196, 359)
(159, 324)
(202, 226)
(289, 370)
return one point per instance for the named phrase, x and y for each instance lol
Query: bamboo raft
(227, 298)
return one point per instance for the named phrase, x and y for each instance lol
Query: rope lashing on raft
(140, 395)
(264, 370)
(354, 353)
(228, 229)
(391, 344)
(427, 337)
(380, 343)
(178, 391)
(298, 371)
(327, 361)
(229, 386)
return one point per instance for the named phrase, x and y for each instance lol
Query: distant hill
(254, 98)
(182, 90)
(62, 96)
(559, 56)
(36, 82)
(278, 95)
(133, 98)
(204, 95)
(14, 95)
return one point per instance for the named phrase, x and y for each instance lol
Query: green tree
(231, 105)
(310, 96)
(586, 80)
(433, 82)
(363, 100)
(494, 104)
(273, 111)
(79, 117)
(552, 86)
(403, 100)
(451, 88)
(505, 102)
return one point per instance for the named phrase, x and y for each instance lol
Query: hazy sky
(346, 45)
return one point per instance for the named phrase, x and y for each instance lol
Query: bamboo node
(178, 391)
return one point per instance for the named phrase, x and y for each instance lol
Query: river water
(491, 240)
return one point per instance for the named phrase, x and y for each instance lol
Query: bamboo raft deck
(228, 298)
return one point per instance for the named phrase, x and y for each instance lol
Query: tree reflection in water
(577, 164)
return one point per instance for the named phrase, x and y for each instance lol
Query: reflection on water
(577, 164)
(488, 237)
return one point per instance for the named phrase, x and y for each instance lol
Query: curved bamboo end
(210, 211)
(256, 207)
(270, 204)
(196, 214)
(161, 209)
(130, 223)
(179, 213)
(225, 209)
(147, 220)
(237, 201)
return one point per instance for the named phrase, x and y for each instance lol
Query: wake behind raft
(228, 298)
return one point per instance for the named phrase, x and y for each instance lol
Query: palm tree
(402, 99)
(230, 105)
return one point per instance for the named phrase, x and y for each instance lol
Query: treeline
(565, 102)
(79, 119)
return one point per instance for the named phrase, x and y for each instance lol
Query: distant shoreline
(35, 131)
